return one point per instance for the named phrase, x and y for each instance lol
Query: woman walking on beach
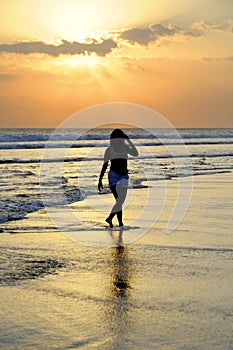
(117, 154)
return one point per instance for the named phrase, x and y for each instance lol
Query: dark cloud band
(145, 36)
(141, 36)
(66, 48)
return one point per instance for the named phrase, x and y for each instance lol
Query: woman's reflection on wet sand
(118, 312)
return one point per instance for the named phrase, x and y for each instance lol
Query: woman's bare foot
(109, 221)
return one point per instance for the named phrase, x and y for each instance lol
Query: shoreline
(206, 189)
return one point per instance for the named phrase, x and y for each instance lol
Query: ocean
(210, 152)
(158, 290)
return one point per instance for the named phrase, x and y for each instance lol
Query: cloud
(207, 26)
(154, 32)
(5, 77)
(144, 36)
(218, 58)
(66, 47)
(203, 27)
(137, 35)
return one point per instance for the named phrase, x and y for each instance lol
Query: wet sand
(165, 291)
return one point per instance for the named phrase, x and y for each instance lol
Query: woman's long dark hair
(117, 140)
(117, 134)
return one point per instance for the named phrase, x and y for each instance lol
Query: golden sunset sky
(174, 56)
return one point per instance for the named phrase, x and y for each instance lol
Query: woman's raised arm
(132, 149)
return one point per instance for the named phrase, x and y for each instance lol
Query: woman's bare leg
(119, 218)
(119, 193)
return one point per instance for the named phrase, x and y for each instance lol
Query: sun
(75, 19)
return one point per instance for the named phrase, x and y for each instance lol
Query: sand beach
(164, 291)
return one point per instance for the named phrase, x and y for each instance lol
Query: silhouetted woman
(117, 154)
